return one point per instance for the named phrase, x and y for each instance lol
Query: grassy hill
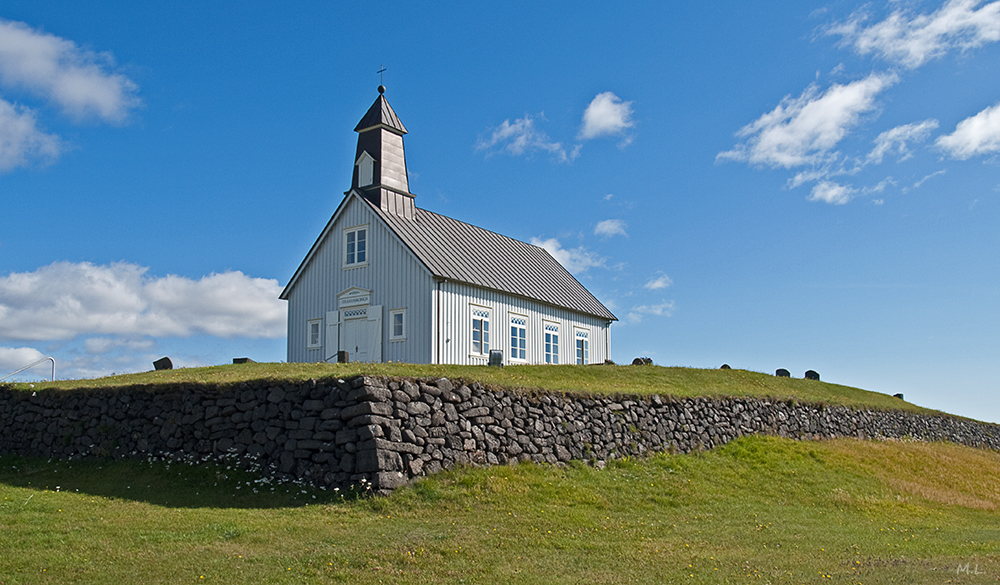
(760, 509)
(597, 379)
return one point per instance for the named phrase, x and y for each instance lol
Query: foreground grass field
(760, 510)
(605, 380)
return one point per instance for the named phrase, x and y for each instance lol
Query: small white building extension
(389, 281)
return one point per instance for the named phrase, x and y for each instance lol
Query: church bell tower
(380, 163)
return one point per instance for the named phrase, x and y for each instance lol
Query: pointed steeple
(381, 114)
(380, 163)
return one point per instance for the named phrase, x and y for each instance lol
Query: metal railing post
(51, 359)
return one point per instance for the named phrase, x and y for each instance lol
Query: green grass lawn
(598, 379)
(760, 510)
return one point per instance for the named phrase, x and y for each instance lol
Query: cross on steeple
(380, 71)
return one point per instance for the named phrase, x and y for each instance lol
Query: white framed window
(551, 342)
(356, 246)
(480, 330)
(582, 346)
(397, 324)
(518, 338)
(314, 339)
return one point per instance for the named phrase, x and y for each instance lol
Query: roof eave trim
(610, 319)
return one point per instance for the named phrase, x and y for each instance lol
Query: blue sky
(778, 185)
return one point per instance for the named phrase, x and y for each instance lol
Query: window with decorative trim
(551, 342)
(582, 346)
(397, 324)
(518, 338)
(314, 340)
(356, 246)
(480, 330)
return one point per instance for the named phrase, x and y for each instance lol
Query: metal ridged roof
(381, 113)
(462, 252)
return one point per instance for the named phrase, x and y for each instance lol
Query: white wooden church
(389, 281)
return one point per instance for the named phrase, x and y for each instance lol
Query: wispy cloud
(977, 135)
(664, 309)
(575, 260)
(804, 130)
(897, 140)
(923, 179)
(22, 143)
(830, 192)
(662, 281)
(522, 137)
(83, 83)
(607, 115)
(65, 300)
(611, 227)
(912, 40)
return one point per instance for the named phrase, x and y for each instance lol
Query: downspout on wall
(438, 329)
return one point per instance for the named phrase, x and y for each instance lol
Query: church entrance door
(361, 334)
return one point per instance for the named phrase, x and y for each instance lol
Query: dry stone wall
(384, 433)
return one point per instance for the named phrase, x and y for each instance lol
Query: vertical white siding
(456, 332)
(397, 281)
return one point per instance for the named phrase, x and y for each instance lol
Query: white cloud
(662, 281)
(811, 175)
(15, 358)
(665, 309)
(104, 345)
(973, 136)
(80, 81)
(522, 137)
(607, 115)
(914, 39)
(610, 227)
(896, 140)
(832, 193)
(803, 130)
(65, 300)
(21, 142)
(880, 186)
(575, 260)
(922, 180)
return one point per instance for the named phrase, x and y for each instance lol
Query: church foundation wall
(384, 433)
